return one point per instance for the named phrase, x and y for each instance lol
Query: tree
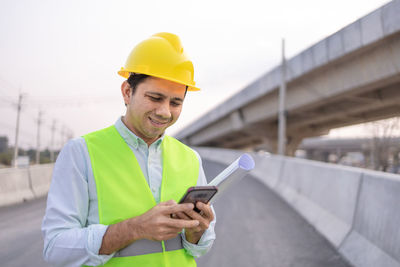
(383, 150)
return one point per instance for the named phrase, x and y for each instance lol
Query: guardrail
(356, 210)
(19, 185)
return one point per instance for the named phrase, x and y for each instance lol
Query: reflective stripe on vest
(123, 192)
(144, 246)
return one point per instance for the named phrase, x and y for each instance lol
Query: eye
(175, 104)
(155, 99)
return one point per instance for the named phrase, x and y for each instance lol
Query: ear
(126, 91)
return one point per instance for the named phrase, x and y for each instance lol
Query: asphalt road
(254, 228)
(21, 240)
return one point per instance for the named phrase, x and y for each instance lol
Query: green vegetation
(7, 153)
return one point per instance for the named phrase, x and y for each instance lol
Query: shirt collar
(132, 139)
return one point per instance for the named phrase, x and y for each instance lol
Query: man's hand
(156, 224)
(193, 234)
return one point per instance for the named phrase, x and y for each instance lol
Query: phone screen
(199, 193)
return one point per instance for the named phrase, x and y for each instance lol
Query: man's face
(155, 105)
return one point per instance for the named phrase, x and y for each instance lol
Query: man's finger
(206, 210)
(168, 203)
(182, 215)
(180, 224)
(194, 215)
(178, 208)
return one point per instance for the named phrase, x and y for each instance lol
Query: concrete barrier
(14, 186)
(41, 178)
(268, 168)
(323, 194)
(375, 236)
(356, 210)
(19, 185)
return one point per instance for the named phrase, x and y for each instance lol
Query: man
(114, 193)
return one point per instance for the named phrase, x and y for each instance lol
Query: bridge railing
(356, 210)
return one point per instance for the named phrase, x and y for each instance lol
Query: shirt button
(153, 190)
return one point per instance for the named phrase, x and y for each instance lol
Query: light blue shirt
(71, 230)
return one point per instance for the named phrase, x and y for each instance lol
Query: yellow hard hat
(161, 56)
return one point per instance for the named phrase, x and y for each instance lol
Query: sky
(63, 55)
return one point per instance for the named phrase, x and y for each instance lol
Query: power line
(12, 127)
(59, 102)
(73, 101)
(30, 102)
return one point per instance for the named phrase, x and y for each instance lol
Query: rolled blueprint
(232, 174)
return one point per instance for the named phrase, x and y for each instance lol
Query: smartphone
(199, 193)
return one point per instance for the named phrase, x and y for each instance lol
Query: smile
(158, 123)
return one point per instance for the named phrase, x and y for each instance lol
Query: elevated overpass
(350, 77)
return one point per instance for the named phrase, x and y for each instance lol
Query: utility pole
(63, 132)
(39, 122)
(282, 110)
(53, 129)
(19, 105)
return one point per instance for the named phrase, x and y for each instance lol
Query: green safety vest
(123, 192)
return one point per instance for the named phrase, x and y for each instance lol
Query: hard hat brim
(125, 74)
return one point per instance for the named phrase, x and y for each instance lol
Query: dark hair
(136, 78)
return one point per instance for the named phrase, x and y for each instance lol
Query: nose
(163, 110)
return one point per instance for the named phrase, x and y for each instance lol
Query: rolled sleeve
(197, 250)
(94, 241)
(205, 243)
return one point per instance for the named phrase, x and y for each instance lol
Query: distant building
(23, 161)
(3, 143)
